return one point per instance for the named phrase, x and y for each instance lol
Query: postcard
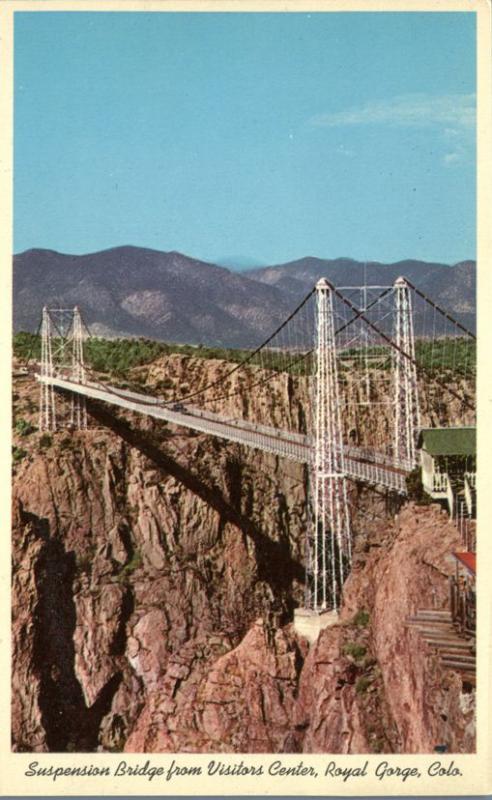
(245, 344)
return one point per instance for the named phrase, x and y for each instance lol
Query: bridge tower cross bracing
(62, 354)
(406, 399)
(47, 408)
(78, 408)
(329, 537)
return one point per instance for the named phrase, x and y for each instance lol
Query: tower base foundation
(309, 623)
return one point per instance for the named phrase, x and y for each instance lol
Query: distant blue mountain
(452, 287)
(134, 291)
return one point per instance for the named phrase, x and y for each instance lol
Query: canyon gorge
(155, 575)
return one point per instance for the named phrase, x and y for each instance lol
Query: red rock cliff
(155, 576)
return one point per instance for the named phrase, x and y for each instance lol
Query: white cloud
(452, 158)
(452, 111)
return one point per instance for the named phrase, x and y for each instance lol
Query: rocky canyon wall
(154, 580)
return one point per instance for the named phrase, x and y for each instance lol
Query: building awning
(448, 441)
(469, 560)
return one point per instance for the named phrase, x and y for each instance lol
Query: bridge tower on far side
(62, 356)
(407, 413)
(329, 537)
(47, 407)
(78, 408)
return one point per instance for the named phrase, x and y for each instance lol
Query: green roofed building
(448, 460)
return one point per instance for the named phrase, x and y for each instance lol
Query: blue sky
(264, 136)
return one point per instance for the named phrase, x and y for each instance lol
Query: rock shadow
(273, 558)
(70, 726)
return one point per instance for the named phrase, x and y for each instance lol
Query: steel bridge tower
(62, 354)
(78, 406)
(47, 408)
(407, 413)
(329, 539)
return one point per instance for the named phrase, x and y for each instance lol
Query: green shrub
(378, 745)
(129, 568)
(18, 454)
(23, 427)
(45, 441)
(362, 685)
(355, 650)
(361, 619)
(165, 383)
(27, 345)
(452, 359)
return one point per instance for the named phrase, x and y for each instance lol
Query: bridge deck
(375, 469)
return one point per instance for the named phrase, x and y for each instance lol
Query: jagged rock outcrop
(285, 401)
(426, 702)
(210, 697)
(28, 732)
(370, 684)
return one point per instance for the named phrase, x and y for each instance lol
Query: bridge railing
(469, 489)
(440, 482)
(376, 475)
(450, 497)
(463, 605)
(295, 447)
(376, 456)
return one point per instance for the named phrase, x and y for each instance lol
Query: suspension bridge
(341, 386)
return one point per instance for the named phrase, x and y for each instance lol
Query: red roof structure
(469, 560)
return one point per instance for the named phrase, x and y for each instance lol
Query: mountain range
(134, 291)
